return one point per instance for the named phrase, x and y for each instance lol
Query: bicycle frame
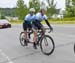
(39, 33)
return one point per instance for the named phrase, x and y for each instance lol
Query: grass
(50, 21)
(60, 22)
(16, 21)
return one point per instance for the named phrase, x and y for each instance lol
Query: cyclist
(37, 24)
(27, 24)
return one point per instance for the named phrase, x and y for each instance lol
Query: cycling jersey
(28, 21)
(29, 18)
(40, 17)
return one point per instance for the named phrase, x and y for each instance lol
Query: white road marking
(5, 56)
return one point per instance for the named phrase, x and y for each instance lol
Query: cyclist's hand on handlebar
(51, 28)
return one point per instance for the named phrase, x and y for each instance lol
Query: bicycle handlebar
(49, 30)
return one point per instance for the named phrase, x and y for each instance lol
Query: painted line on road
(26, 55)
(5, 56)
(18, 57)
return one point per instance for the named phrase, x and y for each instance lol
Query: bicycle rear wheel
(21, 38)
(47, 45)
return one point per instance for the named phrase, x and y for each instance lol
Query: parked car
(5, 24)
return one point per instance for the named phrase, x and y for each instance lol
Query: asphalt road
(12, 52)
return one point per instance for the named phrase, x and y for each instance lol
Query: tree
(21, 9)
(35, 4)
(51, 9)
(70, 8)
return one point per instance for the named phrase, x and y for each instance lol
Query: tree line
(21, 9)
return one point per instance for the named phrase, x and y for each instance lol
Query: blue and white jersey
(29, 18)
(41, 17)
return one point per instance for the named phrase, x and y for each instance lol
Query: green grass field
(50, 21)
(62, 22)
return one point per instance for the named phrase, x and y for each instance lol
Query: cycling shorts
(26, 26)
(37, 25)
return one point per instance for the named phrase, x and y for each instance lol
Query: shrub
(2, 17)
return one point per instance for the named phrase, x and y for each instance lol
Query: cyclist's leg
(36, 26)
(25, 32)
(29, 28)
(41, 27)
(35, 36)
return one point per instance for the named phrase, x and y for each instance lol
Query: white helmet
(31, 10)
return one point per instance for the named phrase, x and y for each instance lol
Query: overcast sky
(12, 3)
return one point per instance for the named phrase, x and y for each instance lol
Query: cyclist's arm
(46, 20)
(48, 24)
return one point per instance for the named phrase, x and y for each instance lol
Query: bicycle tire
(74, 48)
(41, 41)
(21, 39)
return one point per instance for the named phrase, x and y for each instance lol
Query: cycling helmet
(31, 10)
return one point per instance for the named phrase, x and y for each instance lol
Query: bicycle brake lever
(50, 31)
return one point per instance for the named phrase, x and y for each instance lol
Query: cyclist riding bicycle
(37, 24)
(27, 24)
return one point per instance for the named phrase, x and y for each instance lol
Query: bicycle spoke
(46, 42)
(47, 45)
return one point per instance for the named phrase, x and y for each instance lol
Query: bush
(2, 17)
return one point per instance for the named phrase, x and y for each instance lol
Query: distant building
(57, 16)
(60, 15)
(11, 18)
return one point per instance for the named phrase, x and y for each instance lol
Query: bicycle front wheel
(47, 45)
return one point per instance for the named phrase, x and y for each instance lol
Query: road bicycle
(45, 41)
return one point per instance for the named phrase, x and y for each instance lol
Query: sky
(12, 3)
